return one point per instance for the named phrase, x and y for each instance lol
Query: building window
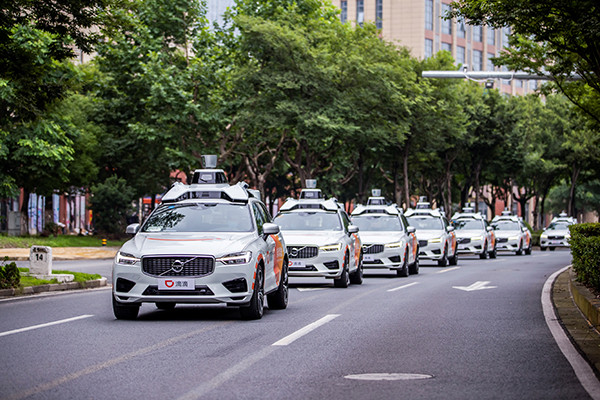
(519, 83)
(460, 55)
(533, 85)
(360, 12)
(505, 33)
(477, 34)
(461, 28)
(491, 36)
(379, 14)
(429, 15)
(505, 81)
(446, 23)
(428, 48)
(477, 60)
(344, 13)
(490, 64)
(447, 47)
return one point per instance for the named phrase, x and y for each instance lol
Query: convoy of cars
(210, 242)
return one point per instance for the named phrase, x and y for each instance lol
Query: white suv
(206, 243)
(557, 234)
(473, 234)
(511, 234)
(320, 240)
(437, 240)
(388, 240)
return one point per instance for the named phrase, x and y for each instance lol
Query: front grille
(556, 237)
(372, 248)
(502, 240)
(423, 243)
(178, 265)
(302, 252)
(199, 290)
(464, 240)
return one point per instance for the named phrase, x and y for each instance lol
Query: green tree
(111, 204)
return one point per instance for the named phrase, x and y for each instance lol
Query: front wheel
(125, 311)
(403, 272)
(255, 309)
(356, 278)
(278, 300)
(413, 269)
(484, 253)
(344, 280)
(528, 250)
(442, 262)
(543, 248)
(520, 251)
(493, 253)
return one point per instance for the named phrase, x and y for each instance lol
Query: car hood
(469, 233)
(426, 234)
(370, 237)
(217, 244)
(557, 232)
(316, 238)
(505, 234)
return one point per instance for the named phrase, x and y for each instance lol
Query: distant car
(557, 234)
(437, 240)
(206, 243)
(473, 234)
(511, 234)
(321, 241)
(388, 240)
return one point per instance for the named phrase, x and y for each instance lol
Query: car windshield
(309, 221)
(200, 217)
(468, 224)
(377, 223)
(425, 223)
(559, 226)
(506, 226)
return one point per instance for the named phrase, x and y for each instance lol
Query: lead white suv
(388, 241)
(320, 240)
(206, 243)
(437, 240)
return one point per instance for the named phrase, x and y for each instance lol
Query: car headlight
(513, 238)
(476, 238)
(394, 245)
(435, 240)
(544, 236)
(331, 247)
(242, 257)
(126, 258)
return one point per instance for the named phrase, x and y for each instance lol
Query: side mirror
(132, 229)
(411, 229)
(489, 229)
(270, 229)
(352, 229)
(450, 228)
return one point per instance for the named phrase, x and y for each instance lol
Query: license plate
(368, 257)
(461, 247)
(176, 284)
(297, 264)
(552, 242)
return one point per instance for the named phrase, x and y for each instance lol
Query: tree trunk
(477, 173)
(571, 200)
(405, 176)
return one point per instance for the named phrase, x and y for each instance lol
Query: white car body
(185, 253)
(511, 234)
(557, 234)
(474, 235)
(316, 250)
(437, 240)
(388, 241)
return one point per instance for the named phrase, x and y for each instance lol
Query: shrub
(10, 277)
(585, 249)
(111, 204)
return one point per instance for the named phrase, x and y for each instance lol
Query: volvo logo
(177, 266)
(294, 252)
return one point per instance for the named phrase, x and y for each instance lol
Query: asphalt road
(425, 336)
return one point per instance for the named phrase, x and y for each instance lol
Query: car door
(268, 244)
(353, 242)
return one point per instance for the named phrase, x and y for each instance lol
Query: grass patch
(11, 242)
(27, 280)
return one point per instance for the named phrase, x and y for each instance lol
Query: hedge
(585, 249)
(10, 277)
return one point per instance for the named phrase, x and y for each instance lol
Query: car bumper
(554, 243)
(433, 251)
(131, 285)
(388, 258)
(511, 245)
(325, 264)
(470, 248)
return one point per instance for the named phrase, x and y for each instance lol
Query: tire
(165, 306)
(356, 278)
(278, 300)
(484, 253)
(403, 272)
(494, 253)
(125, 311)
(520, 251)
(528, 250)
(552, 248)
(543, 248)
(442, 262)
(454, 259)
(413, 269)
(255, 309)
(344, 280)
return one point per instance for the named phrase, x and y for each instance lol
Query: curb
(587, 302)
(53, 287)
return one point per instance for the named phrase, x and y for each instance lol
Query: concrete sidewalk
(64, 253)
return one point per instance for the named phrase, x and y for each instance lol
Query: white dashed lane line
(30, 328)
(403, 286)
(447, 270)
(307, 329)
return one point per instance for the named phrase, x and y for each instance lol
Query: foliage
(7, 242)
(585, 248)
(9, 275)
(111, 204)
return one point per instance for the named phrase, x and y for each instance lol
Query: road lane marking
(479, 285)
(403, 286)
(447, 270)
(307, 329)
(388, 377)
(30, 328)
(309, 289)
(582, 369)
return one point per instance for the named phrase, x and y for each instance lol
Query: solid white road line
(30, 328)
(447, 270)
(584, 372)
(307, 329)
(402, 287)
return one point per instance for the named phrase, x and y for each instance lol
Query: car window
(468, 224)
(259, 216)
(507, 225)
(426, 223)
(377, 222)
(309, 220)
(345, 220)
